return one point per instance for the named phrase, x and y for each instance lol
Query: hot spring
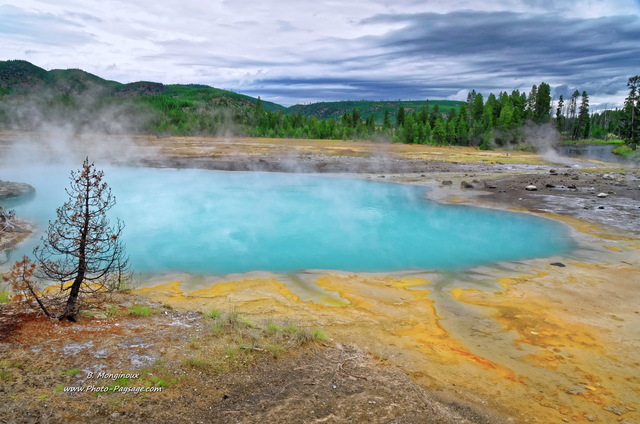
(218, 223)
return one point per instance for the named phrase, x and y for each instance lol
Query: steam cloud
(544, 138)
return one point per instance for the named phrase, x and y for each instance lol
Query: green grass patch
(4, 297)
(198, 362)
(626, 152)
(276, 349)
(159, 382)
(235, 342)
(112, 311)
(72, 372)
(308, 335)
(217, 328)
(10, 364)
(140, 310)
(612, 141)
(271, 328)
(120, 382)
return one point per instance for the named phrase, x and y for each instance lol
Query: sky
(300, 51)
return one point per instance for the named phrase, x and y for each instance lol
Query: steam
(544, 138)
(45, 130)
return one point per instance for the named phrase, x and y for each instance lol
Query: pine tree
(583, 126)
(559, 115)
(630, 119)
(571, 112)
(386, 123)
(542, 104)
(400, 117)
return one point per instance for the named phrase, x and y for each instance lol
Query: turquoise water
(230, 222)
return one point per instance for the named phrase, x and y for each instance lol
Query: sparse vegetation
(234, 341)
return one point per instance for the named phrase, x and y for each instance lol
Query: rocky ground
(203, 376)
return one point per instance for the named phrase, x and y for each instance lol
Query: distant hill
(21, 77)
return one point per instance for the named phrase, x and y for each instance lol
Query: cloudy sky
(301, 51)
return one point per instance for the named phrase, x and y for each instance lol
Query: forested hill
(19, 77)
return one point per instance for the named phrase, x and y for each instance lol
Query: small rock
(465, 184)
(575, 177)
(559, 264)
(115, 415)
(576, 390)
(608, 177)
(572, 186)
(9, 190)
(600, 207)
(550, 186)
(590, 417)
(531, 187)
(447, 182)
(553, 172)
(613, 408)
(602, 195)
(489, 185)
(475, 181)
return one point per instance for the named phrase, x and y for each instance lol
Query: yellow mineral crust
(540, 343)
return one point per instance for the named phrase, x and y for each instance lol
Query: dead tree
(80, 246)
(7, 220)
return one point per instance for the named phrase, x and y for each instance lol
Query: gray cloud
(42, 28)
(435, 55)
(503, 46)
(293, 51)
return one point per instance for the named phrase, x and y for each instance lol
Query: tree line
(496, 121)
